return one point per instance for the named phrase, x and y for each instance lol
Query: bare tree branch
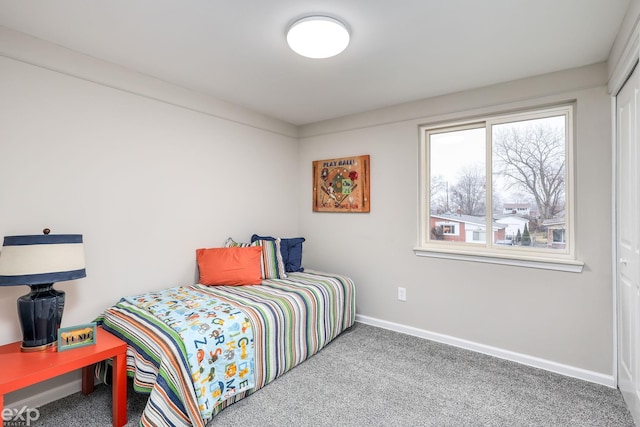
(469, 192)
(532, 159)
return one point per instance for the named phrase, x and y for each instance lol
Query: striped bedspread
(291, 318)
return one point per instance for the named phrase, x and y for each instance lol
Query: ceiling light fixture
(318, 37)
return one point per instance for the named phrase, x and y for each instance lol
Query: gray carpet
(373, 377)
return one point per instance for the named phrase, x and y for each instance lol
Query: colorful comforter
(288, 320)
(217, 339)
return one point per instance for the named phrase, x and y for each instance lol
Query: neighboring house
(465, 228)
(556, 234)
(523, 209)
(513, 224)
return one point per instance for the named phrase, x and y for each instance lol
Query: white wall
(618, 68)
(562, 318)
(145, 182)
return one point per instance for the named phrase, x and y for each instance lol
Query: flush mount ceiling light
(318, 37)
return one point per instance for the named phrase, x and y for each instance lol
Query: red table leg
(87, 379)
(119, 390)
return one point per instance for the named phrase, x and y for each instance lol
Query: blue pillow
(290, 249)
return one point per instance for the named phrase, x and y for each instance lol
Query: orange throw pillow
(230, 266)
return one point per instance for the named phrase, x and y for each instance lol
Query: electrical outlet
(402, 294)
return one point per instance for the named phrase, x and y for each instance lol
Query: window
(508, 181)
(447, 228)
(558, 236)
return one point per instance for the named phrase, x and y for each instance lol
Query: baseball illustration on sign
(341, 185)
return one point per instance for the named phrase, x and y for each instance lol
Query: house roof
(505, 218)
(467, 219)
(554, 222)
(236, 51)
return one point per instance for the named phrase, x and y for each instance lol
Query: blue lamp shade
(38, 261)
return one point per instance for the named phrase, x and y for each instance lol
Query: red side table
(19, 370)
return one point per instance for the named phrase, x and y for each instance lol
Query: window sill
(556, 264)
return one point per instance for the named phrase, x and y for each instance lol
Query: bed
(197, 349)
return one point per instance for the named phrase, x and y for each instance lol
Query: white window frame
(543, 258)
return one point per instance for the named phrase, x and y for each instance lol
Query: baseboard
(559, 368)
(47, 396)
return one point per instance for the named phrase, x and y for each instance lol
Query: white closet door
(628, 246)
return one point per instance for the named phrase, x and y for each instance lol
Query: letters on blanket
(217, 337)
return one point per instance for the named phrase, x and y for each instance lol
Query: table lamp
(38, 261)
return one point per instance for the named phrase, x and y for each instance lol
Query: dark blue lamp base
(40, 313)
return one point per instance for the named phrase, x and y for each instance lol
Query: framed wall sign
(76, 336)
(341, 184)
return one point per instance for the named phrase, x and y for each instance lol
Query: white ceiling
(401, 50)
